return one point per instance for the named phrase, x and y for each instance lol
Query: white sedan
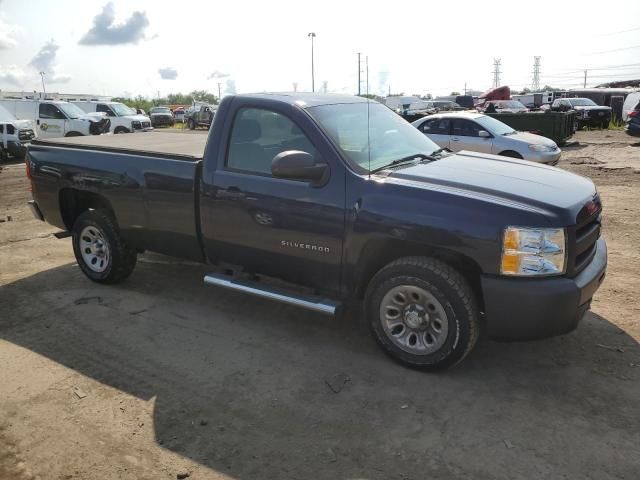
(479, 133)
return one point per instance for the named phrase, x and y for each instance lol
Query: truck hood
(161, 115)
(554, 193)
(136, 118)
(92, 117)
(22, 124)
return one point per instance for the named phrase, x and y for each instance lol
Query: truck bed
(179, 146)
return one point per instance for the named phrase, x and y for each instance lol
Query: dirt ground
(162, 375)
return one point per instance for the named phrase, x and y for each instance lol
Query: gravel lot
(163, 375)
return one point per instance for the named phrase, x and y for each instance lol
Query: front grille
(26, 135)
(146, 124)
(584, 236)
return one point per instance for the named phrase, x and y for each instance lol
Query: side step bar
(317, 304)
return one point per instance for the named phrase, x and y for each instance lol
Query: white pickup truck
(15, 135)
(53, 118)
(123, 119)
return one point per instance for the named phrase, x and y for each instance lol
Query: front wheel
(100, 251)
(423, 313)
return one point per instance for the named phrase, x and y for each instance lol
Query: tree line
(171, 99)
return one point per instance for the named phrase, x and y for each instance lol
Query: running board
(317, 304)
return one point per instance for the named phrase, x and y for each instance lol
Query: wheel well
(73, 134)
(511, 154)
(121, 129)
(380, 254)
(73, 202)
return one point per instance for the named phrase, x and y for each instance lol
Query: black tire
(121, 258)
(4, 156)
(74, 134)
(579, 126)
(448, 288)
(191, 124)
(511, 154)
(121, 130)
(605, 125)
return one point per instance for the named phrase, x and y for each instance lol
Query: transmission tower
(496, 72)
(535, 82)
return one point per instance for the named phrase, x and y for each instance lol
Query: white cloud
(106, 32)
(7, 36)
(168, 73)
(45, 61)
(13, 75)
(217, 75)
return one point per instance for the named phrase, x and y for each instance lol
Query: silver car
(479, 133)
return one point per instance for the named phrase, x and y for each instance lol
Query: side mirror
(298, 165)
(484, 134)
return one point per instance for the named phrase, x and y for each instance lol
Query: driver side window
(50, 111)
(465, 128)
(258, 135)
(105, 109)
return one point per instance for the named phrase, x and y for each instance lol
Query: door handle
(454, 139)
(38, 122)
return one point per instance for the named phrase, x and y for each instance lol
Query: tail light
(29, 176)
(634, 113)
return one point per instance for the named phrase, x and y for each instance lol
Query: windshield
(70, 110)
(390, 137)
(496, 127)
(582, 102)
(421, 104)
(510, 104)
(160, 110)
(120, 109)
(5, 116)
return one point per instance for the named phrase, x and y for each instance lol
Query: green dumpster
(558, 126)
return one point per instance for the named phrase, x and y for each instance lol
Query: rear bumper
(632, 129)
(527, 309)
(35, 210)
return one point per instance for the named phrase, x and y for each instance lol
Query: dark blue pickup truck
(343, 201)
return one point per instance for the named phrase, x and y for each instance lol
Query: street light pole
(219, 97)
(43, 89)
(312, 35)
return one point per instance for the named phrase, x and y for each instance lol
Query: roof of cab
(305, 100)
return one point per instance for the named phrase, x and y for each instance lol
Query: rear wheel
(191, 124)
(511, 154)
(74, 134)
(100, 251)
(423, 313)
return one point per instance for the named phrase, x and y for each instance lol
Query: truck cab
(123, 119)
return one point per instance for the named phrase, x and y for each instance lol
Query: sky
(127, 48)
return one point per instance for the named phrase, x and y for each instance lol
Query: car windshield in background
(510, 104)
(70, 110)
(421, 105)
(389, 137)
(582, 102)
(496, 127)
(161, 110)
(121, 109)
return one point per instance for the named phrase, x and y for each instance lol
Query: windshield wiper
(439, 151)
(404, 160)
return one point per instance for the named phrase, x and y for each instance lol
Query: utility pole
(535, 83)
(219, 94)
(324, 86)
(44, 91)
(359, 70)
(465, 88)
(585, 79)
(312, 35)
(295, 86)
(496, 72)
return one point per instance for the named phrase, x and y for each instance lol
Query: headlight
(533, 251)
(542, 148)
(585, 113)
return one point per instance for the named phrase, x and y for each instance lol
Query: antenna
(369, 136)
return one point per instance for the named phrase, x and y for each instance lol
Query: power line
(616, 50)
(618, 32)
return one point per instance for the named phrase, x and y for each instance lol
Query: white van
(630, 103)
(15, 135)
(123, 119)
(55, 119)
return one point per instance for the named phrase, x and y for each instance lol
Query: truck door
(278, 227)
(465, 136)
(51, 121)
